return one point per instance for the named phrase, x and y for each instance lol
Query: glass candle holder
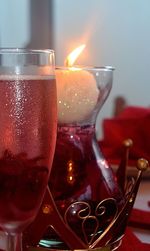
(82, 183)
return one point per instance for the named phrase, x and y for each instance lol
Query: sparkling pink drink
(28, 118)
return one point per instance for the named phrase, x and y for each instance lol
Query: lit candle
(77, 92)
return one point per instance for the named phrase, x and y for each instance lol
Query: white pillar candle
(77, 94)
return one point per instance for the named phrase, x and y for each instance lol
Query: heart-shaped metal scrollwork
(89, 220)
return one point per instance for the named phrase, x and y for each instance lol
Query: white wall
(14, 23)
(117, 33)
(26, 23)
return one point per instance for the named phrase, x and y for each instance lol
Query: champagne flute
(27, 136)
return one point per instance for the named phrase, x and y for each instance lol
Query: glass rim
(25, 51)
(84, 67)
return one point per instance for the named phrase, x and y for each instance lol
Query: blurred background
(115, 32)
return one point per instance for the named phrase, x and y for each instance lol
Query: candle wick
(67, 64)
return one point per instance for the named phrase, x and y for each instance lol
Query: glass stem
(14, 242)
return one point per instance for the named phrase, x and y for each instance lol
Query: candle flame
(71, 58)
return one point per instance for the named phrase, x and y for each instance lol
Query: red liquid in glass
(76, 173)
(80, 175)
(27, 140)
(22, 185)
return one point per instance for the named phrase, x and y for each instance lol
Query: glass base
(110, 247)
